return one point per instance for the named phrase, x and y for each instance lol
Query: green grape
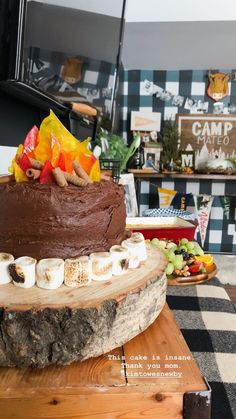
(183, 248)
(162, 243)
(171, 256)
(178, 263)
(183, 241)
(165, 251)
(179, 257)
(190, 245)
(155, 242)
(172, 246)
(198, 250)
(170, 268)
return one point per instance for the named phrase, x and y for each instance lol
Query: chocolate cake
(47, 221)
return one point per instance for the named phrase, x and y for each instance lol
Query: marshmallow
(22, 271)
(5, 260)
(120, 258)
(78, 272)
(50, 273)
(101, 266)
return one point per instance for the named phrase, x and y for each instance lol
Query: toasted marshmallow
(5, 260)
(138, 246)
(138, 235)
(78, 272)
(50, 273)
(134, 260)
(22, 271)
(120, 259)
(101, 266)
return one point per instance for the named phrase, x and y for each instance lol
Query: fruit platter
(187, 262)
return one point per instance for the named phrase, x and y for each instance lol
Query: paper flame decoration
(53, 146)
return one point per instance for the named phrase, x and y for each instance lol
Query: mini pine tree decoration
(170, 156)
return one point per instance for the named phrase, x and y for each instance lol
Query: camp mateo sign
(209, 135)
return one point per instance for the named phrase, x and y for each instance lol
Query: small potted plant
(115, 153)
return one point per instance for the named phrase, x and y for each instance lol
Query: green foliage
(170, 141)
(114, 144)
(113, 147)
(131, 150)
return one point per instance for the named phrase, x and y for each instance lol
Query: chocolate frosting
(45, 221)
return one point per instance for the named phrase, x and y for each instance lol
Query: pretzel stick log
(80, 171)
(105, 177)
(75, 180)
(33, 173)
(6, 178)
(35, 163)
(59, 177)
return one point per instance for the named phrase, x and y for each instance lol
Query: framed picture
(152, 157)
(127, 180)
(148, 137)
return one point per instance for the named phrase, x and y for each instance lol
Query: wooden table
(112, 386)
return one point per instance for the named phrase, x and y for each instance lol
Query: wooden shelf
(145, 173)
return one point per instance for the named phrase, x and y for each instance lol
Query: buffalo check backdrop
(185, 84)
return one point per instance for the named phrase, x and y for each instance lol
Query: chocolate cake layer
(44, 221)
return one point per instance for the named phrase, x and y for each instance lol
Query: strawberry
(194, 269)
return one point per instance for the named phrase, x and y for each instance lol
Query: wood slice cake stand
(41, 327)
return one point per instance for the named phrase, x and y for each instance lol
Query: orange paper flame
(55, 144)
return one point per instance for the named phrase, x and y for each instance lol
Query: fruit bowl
(210, 273)
(187, 262)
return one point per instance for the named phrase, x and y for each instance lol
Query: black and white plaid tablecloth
(207, 319)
